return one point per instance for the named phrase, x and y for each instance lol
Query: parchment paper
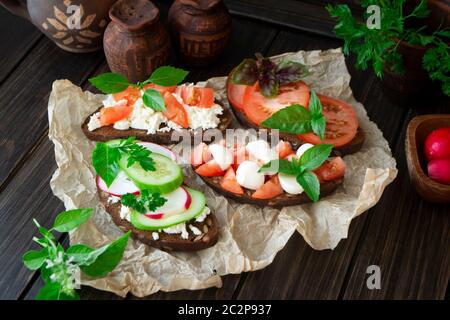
(250, 237)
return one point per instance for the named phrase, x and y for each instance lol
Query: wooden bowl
(418, 130)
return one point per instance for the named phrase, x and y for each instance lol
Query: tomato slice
(197, 96)
(269, 190)
(209, 169)
(235, 94)
(229, 182)
(342, 123)
(131, 94)
(258, 108)
(200, 154)
(113, 114)
(175, 111)
(283, 149)
(331, 170)
(160, 89)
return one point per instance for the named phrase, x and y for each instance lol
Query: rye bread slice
(166, 242)
(283, 200)
(107, 133)
(351, 147)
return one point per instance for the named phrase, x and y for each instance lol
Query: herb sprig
(302, 168)
(163, 76)
(145, 202)
(297, 119)
(59, 267)
(106, 157)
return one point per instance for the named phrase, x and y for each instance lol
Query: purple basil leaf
(245, 73)
(290, 71)
(268, 82)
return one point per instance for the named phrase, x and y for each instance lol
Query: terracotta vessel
(74, 25)
(200, 29)
(135, 41)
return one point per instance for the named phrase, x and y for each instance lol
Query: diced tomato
(113, 114)
(239, 155)
(209, 169)
(200, 154)
(283, 149)
(229, 182)
(197, 96)
(131, 94)
(235, 94)
(160, 89)
(269, 190)
(342, 123)
(258, 108)
(175, 111)
(331, 170)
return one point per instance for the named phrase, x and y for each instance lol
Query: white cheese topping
(196, 231)
(203, 215)
(125, 212)
(179, 228)
(155, 236)
(123, 124)
(94, 122)
(113, 199)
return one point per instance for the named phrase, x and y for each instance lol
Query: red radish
(283, 149)
(210, 169)
(156, 148)
(200, 154)
(120, 186)
(269, 190)
(437, 144)
(155, 216)
(439, 170)
(229, 182)
(178, 201)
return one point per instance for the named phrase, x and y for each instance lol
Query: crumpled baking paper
(250, 236)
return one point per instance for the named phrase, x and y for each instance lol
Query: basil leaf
(314, 105)
(108, 259)
(167, 76)
(310, 184)
(153, 99)
(105, 161)
(110, 82)
(54, 291)
(290, 71)
(279, 165)
(81, 254)
(267, 79)
(315, 156)
(293, 119)
(246, 73)
(318, 126)
(33, 259)
(69, 220)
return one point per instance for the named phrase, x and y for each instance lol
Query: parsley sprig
(302, 168)
(145, 202)
(162, 76)
(106, 157)
(297, 119)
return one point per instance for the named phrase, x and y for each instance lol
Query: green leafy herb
(162, 76)
(297, 119)
(145, 202)
(302, 168)
(58, 267)
(106, 157)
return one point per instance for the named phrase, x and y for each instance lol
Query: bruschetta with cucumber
(266, 94)
(140, 184)
(152, 110)
(259, 174)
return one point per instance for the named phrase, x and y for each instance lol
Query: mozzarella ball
(247, 175)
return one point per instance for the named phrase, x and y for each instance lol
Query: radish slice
(156, 148)
(178, 201)
(120, 186)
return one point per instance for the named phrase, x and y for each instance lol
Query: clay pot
(135, 41)
(200, 29)
(74, 25)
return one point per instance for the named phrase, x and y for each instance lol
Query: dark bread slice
(107, 133)
(282, 200)
(166, 242)
(351, 147)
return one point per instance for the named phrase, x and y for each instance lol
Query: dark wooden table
(408, 238)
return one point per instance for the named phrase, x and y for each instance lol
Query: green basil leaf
(45, 273)
(293, 119)
(81, 254)
(310, 184)
(314, 105)
(54, 291)
(318, 126)
(167, 76)
(69, 220)
(105, 161)
(279, 165)
(110, 257)
(315, 156)
(153, 99)
(33, 259)
(110, 82)
(246, 73)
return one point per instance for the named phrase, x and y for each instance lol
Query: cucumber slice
(167, 177)
(198, 203)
